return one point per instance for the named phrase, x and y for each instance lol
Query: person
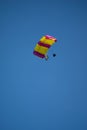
(46, 57)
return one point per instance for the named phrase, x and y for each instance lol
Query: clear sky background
(36, 94)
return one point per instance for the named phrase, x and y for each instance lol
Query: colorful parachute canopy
(43, 46)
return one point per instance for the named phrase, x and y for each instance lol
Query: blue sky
(36, 94)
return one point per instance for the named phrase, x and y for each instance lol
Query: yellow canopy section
(47, 40)
(41, 49)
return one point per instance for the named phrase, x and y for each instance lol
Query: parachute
(43, 46)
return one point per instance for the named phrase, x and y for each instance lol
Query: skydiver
(46, 57)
